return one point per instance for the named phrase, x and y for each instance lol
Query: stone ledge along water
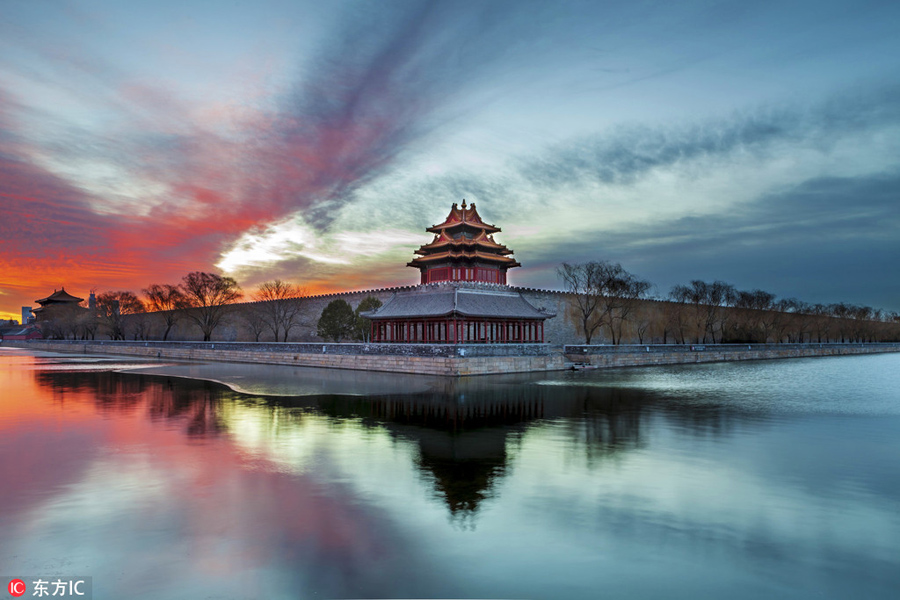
(451, 359)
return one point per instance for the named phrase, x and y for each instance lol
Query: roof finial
(464, 203)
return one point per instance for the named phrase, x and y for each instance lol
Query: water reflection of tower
(465, 428)
(462, 440)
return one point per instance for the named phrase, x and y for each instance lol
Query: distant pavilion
(463, 297)
(58, 302)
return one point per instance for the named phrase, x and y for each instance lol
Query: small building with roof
(20, 332)
(60, 305)
(59, 299)
(463, 296)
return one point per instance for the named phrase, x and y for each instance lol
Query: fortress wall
(561, 329)
(558, 330)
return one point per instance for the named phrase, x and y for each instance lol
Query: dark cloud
(393, 77)
(824, 240)
(627, 153)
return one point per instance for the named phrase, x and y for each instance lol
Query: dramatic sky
(752, 142)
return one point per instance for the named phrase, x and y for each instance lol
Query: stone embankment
(673, 354)
(430, 359)
(448, 359)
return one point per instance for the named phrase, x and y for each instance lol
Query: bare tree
(280, 307)
(583, 282)
(624, 293)
(254, 317)
(169, 301)
(87, 324)
(691, 299)
(707, 301)
(208, 296)
(112, 307)
(756, 306)
(604, 295)
(643, 319)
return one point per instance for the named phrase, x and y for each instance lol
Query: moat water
(769, 479)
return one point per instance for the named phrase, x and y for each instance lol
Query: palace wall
(558, 330)
(649, 323)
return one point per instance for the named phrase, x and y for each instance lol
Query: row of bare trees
(604, 294)
(608, 299)
(717, 312)
(200, 298)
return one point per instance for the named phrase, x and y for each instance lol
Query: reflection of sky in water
(787, 385)
(167, 487)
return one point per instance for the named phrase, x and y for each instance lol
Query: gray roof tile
(446, 300)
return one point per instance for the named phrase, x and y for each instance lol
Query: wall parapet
(581, 349)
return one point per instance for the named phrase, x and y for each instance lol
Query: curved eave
(446, 225)
(432, 258)
(437, 246)
(60, 296)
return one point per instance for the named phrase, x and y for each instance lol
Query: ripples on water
(762, 479)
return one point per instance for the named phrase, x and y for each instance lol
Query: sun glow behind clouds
(293, 238)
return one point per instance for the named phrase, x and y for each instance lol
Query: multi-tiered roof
(463, 249)
(463, 298)
(57, 301)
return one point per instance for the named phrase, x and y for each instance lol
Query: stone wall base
(679, 356)
(453, 366)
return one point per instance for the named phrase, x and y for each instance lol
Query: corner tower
(463, 249)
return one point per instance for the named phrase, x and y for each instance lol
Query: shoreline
(451, 360)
